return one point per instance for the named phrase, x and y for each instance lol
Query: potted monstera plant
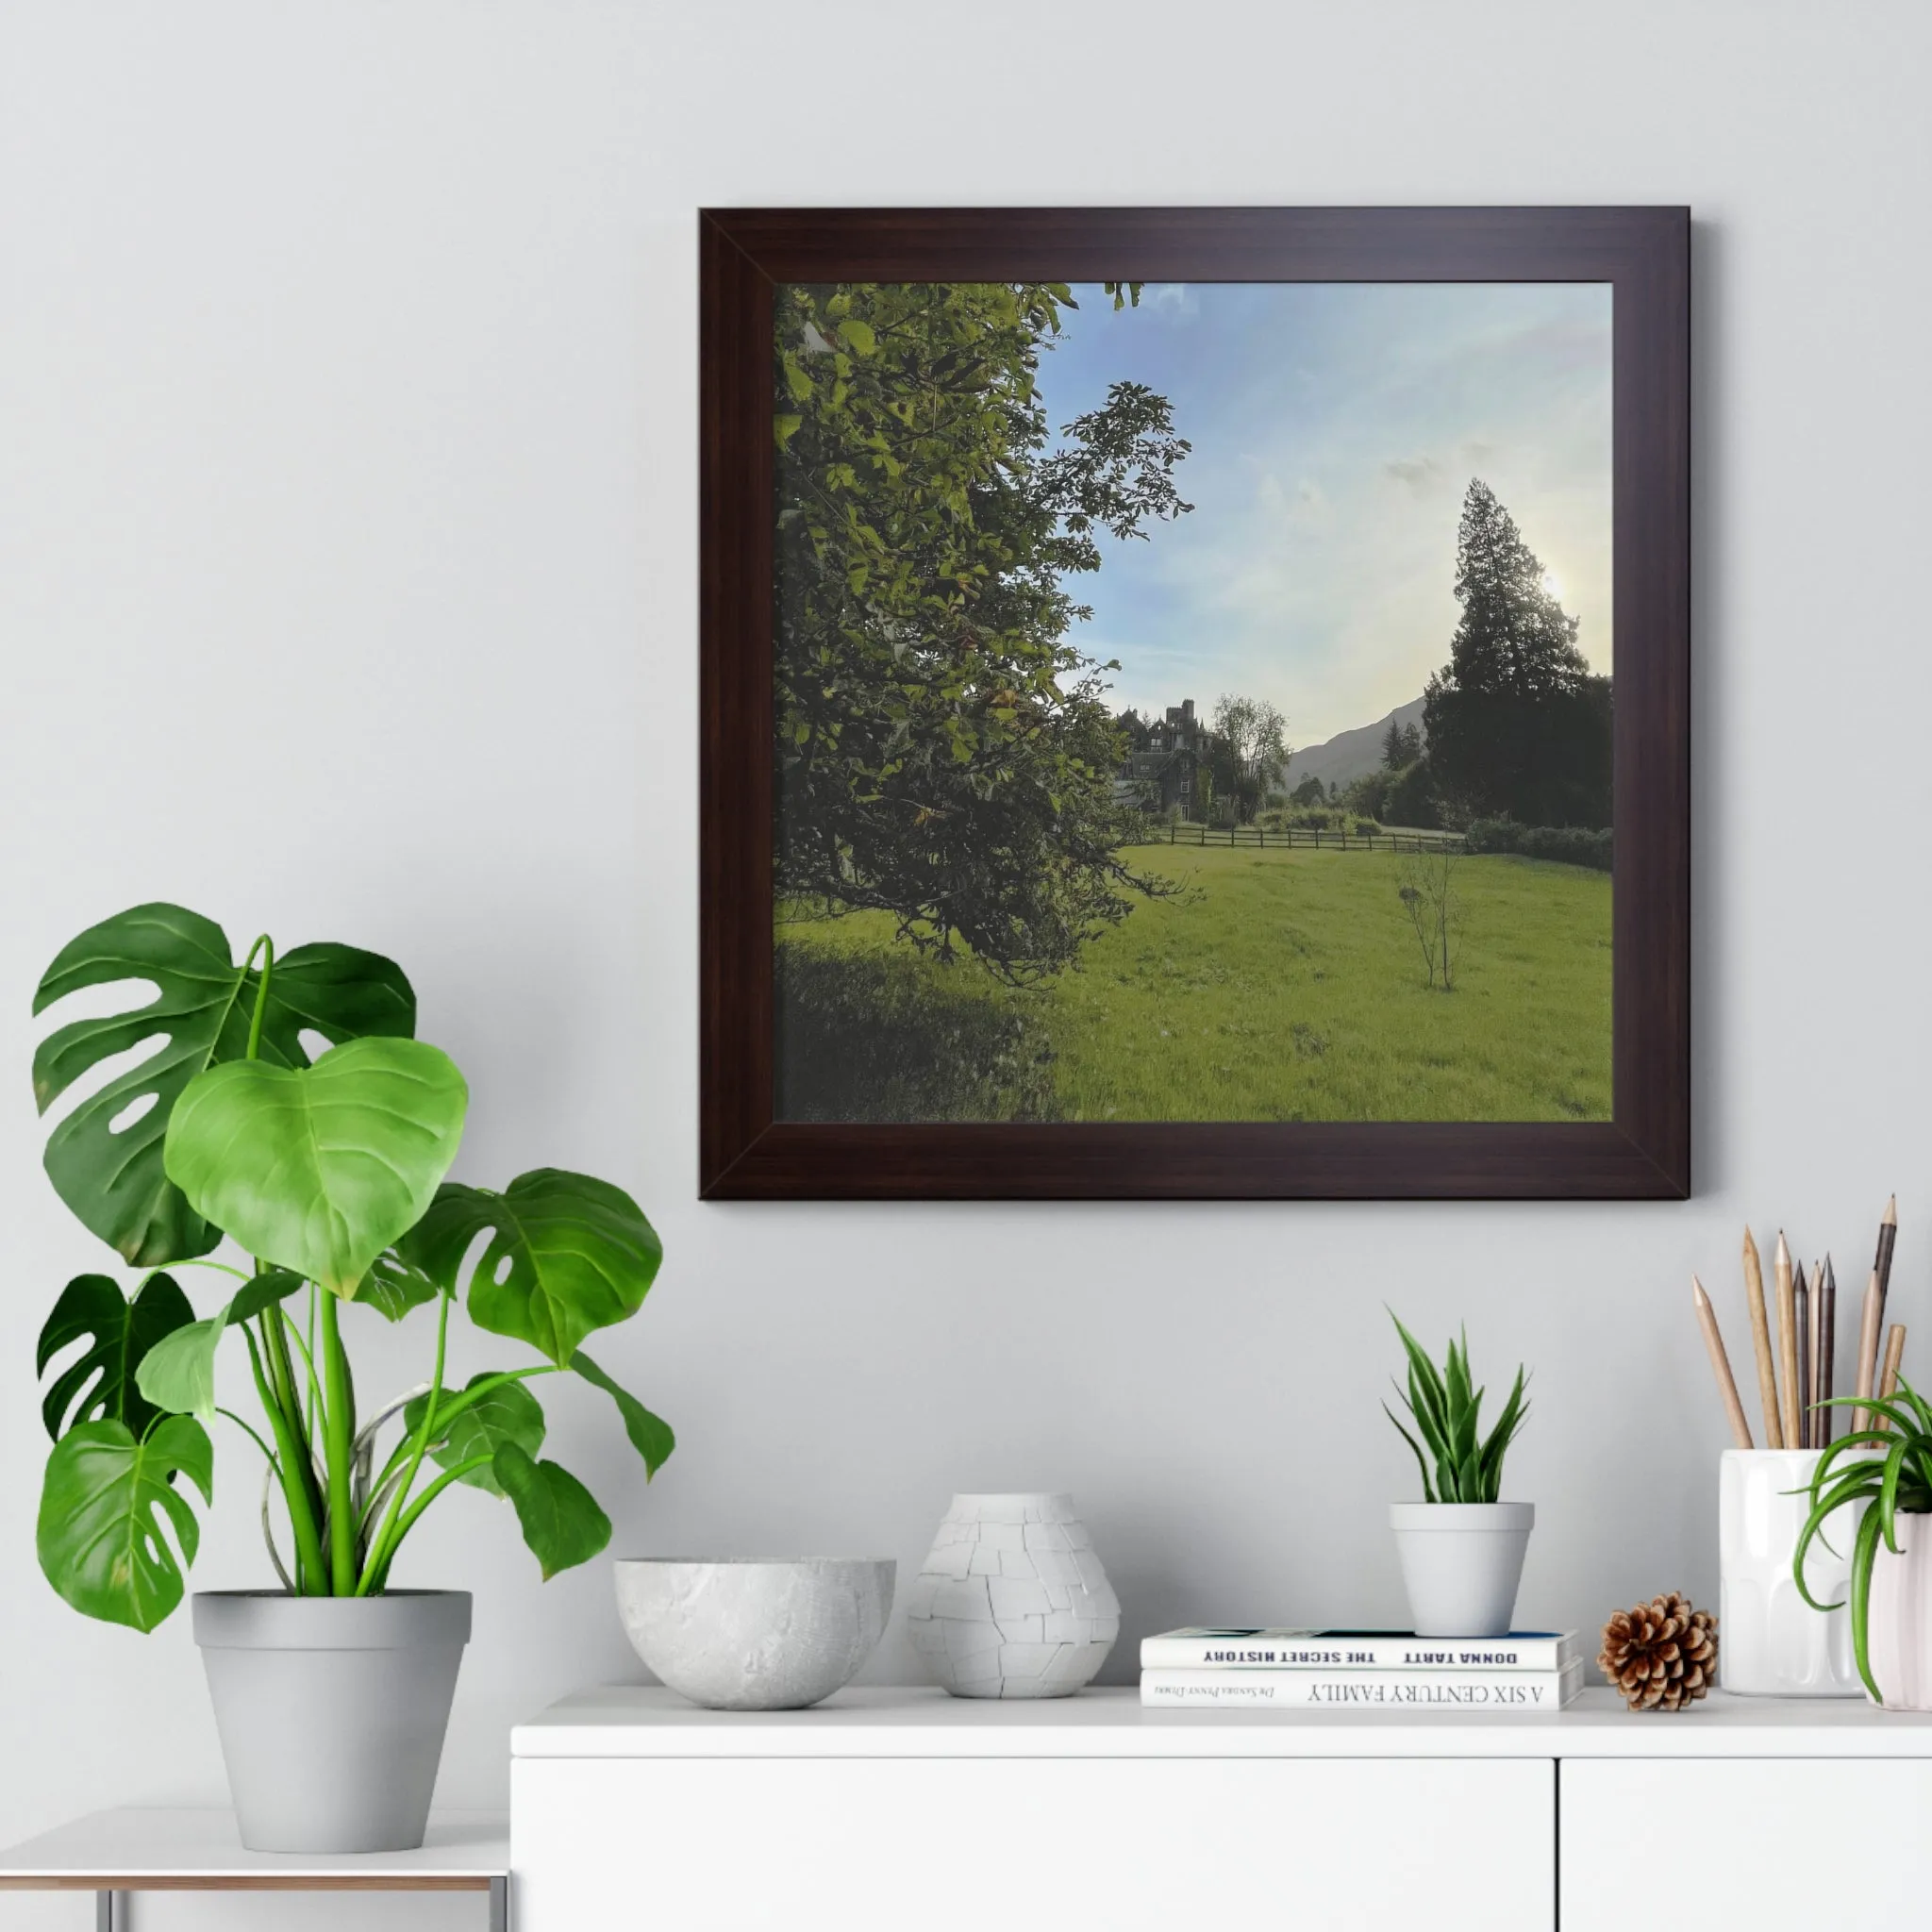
(327, 1172)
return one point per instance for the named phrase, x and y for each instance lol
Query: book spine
(1535, 1654)
(1361, 1690)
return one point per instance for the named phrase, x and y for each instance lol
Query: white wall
(347, 587)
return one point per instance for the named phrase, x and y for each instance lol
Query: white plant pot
(1771, 1641)
(1011, 1602)
(1898, 1624)
(1461, 1563)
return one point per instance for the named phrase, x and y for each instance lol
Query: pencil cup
(1771, 1642)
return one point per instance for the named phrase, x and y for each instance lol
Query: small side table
(113, 1853)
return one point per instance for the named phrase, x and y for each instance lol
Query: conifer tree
(1517, 723)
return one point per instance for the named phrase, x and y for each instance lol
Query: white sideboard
(907, 1807)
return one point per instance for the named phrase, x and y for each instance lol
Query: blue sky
(1334, 427)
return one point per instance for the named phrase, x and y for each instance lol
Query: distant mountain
(1349, 755)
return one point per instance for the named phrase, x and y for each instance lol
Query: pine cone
(1661, 1654)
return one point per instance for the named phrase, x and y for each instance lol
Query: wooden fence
(1311, 836)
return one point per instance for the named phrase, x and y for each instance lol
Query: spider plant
(1446, 1407)
(1898, 1483)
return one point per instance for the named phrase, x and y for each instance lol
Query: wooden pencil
(1867, 1353)
(1881, 1261)
(1720, 1365)
(1801, 1326)
(1787, 1343)
(1827, 1351)
(1888, 1382)
(1815, 1434)
(1761, 1342)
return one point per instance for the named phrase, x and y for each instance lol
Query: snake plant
(1446, 1407)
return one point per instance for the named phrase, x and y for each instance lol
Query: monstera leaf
(319, 1168)
(263, 1290)
(508, 1413)
(179, 1374)
(392, 1287)
(560, 1519)
(105, 1507)
(650, 1434)
(567, 1254)
(100, 1386)
(114, 1182)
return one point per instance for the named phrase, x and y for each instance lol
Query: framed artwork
(1196, 702)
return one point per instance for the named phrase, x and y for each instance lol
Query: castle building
(1172, 769)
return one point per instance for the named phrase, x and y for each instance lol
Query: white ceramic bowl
(736, 1634)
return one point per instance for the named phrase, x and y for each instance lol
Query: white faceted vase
(1771, 1642)
(1012, 1602)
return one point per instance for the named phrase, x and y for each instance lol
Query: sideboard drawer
(959, 1846)
(1745, 1841)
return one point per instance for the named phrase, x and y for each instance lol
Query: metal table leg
(499, 1905)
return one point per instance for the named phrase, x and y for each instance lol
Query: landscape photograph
(1194, 702)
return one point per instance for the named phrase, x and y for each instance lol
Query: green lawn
(1275, 986)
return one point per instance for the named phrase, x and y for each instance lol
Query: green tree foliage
(1132, 731)
(1247, 751)
(1310, 792)
(1517, 724)
(1410, 796)
(1401, 744)
(1405, 797)
(944, 753)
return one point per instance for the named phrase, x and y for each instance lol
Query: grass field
(1275, 986)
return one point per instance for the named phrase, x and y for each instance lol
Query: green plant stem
(397, 1457)
(314, 1388)
(266, 947)
(255, 1437)
(446, 1413)
(220, 1267)
(339, 1436)
(423, 1502)
(282, 1380)
(377, 1563)
(1864, 1554)
(281, 1369)
(277, 1389)
(311, 1383)
(310, 1567)
(283, 1389)
(485, 1385)
(453, 1406)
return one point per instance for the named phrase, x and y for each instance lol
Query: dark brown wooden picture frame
(1643, 1152)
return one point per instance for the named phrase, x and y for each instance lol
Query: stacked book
(1361, 1670)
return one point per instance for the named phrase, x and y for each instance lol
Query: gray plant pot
(331, 1711)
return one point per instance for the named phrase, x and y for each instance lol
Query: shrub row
(1308, 818)
(1567, 845)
